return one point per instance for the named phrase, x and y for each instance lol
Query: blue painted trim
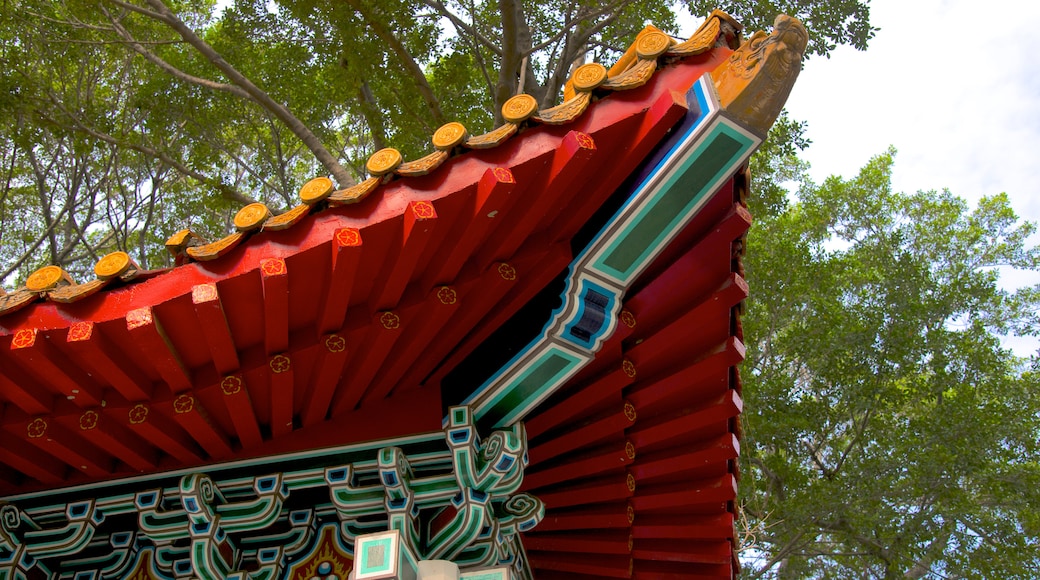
(673, 186)
(592, 320)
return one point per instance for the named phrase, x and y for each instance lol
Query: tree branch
(163, 14)
(923, 566)
(41, 185)
(169, 68)
(140, 10)
(782, 553)
(506, 86)
(224, 190)
(608, 9)
(462, 26)
(860, 429)
(370, 111)
(47, 233)
(772, 475)
(477, 55)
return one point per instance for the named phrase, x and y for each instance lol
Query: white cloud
(949, 83)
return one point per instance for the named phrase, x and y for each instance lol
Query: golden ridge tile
(493, 139)
(383, 162)
(16, 300)
(702, 41)
(354, 194)
(287, 219)
(114, 265)
(449, 136)
(519, 108)
(316, 190)
(423, 165)
(566, 112)
(636, 76)
(251, 217)
(69, 294)
(48, 278)
(216, 249)
(181, 241)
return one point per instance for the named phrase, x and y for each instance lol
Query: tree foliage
(888, 433)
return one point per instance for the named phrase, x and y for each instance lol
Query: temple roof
(359, 317)
(588, 83)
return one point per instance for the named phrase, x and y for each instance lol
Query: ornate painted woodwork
(449, 495)
(314, 383)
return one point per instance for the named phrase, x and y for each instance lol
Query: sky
(952, 86)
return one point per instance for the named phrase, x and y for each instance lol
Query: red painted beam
(683, 459)
(346, 256)
(105, 433)
(240, 408)
(607, 542)
(692, 380)
(682, 526)
(30, 460)
(610, 352)
(684, 279)
(215, 329)
(608, 489)
(85, 340)
(615, 458)
(282, 386)
(677, 426)
(652, 570)
(43, 360)
(599, 566)
(17, 387)
(382, 333)
(431, 317)
(187, 411)
(601, 517)
(699, 329)
(567, 166)
(492, 197)
(51, 437)
(676, 496)
(417, 231)
(580, 402)
(486, 310)
(611, 425)
(274, 278)
(149, 424)
(148, 333)
(326, 379)
(535, 268)
(415, 413)
(662, 115)
(692, 551)
(478, 298)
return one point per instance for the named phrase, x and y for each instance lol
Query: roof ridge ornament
(754, 82)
